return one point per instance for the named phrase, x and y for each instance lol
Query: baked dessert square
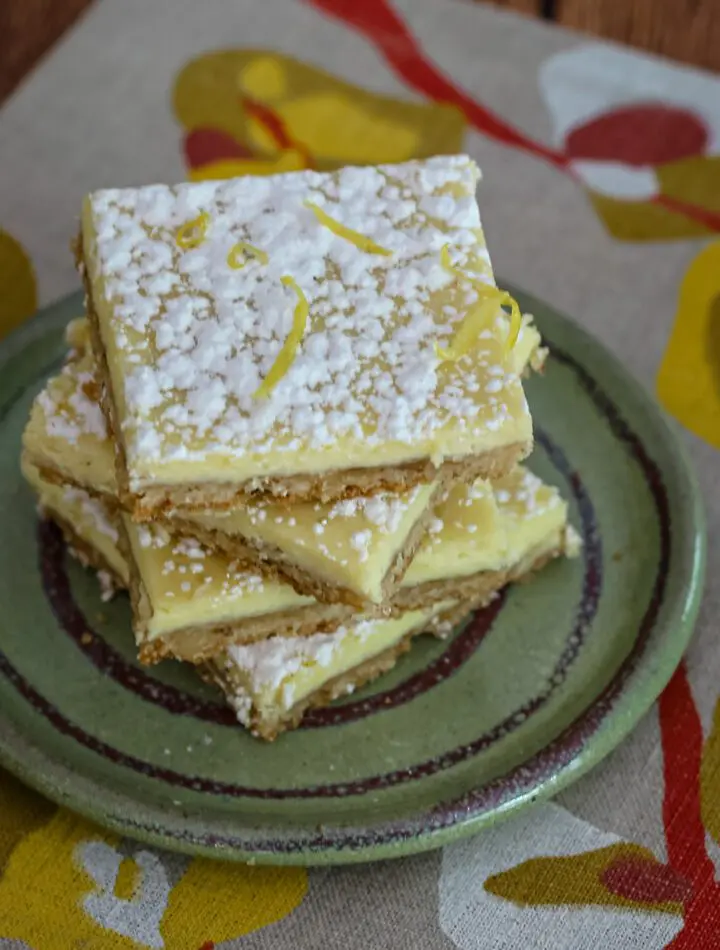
(189, 602)
(272, 684)
(307, 336)
(486, 535)
(89, 526)
(353, 552)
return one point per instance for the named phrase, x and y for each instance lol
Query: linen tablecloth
(601, 195)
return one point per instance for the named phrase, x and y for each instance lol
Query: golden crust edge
(346, 682)
(272, 561)
(336, 485)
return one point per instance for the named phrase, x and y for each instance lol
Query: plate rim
(615, 726)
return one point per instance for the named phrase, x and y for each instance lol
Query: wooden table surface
(687, 30)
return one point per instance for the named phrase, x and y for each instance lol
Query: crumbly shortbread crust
(260, 682)
(185, 339)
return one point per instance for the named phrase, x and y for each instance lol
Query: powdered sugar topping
(522, 495)
(71, 404)
(96, 511)
(198, 336)
(383, 511)
(269, 662)
(185, 565)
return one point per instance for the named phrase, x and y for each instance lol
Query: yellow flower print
(259, 112)
(688, 381)
(21, 811)
(69, 884)
(18, 292)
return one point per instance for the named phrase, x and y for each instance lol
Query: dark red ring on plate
(110, 662)
(559, 753)
(139, 681)
(427, 768)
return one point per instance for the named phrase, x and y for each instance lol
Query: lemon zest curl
(286, 356)
(192, 233)
(480, 315)
(239, 253)
(354, 237)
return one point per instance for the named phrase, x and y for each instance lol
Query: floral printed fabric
(609, 158)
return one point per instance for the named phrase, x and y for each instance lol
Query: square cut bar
(191, 603)
(271, 685)
(354, 552)
(188, 603)
(311, 671)
(196, 292)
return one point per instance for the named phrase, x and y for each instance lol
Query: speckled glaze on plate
(521, 701)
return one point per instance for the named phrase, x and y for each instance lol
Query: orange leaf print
(261, 112)
(628, 875)
(688, 381)
(620, 875)
(18, 291)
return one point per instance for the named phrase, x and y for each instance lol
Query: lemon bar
(354, 551)
(309, 336)
(315, 669)
(486, 535)
(188, 603)
(88, 525)
(272, 684)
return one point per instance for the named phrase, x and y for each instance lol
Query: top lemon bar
(305, 335)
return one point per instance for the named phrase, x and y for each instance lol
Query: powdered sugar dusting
(70, 403)
(198, 336)
(268, 663)
(522, 495)
(383, 511)
(186, 566)
(95, 510)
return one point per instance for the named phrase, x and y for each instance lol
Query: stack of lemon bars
(291, 424)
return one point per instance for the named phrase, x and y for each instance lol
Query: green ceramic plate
(520, 702)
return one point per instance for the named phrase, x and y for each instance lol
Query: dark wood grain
(687, 30)
(28, 29)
